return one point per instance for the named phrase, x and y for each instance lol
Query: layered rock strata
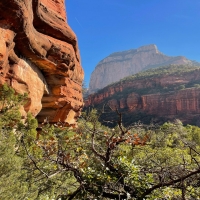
(39, 55)
(159, 96)
(121, 64)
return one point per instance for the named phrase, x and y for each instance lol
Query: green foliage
(161, 71)
(197, 85)
(9, 106)
(181, 87)
(11, 171)
(13, 181)
(136, 163)
(9, 100)
(95, 162)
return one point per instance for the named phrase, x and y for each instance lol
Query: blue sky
(106, 26)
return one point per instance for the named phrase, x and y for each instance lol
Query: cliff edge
(161, 94)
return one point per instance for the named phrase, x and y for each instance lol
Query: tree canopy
(93, 161)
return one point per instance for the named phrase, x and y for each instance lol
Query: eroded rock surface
(121, 64)
(162, 97)
(39, 55)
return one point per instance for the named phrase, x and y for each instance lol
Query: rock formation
(39, 55)
(166, 96)
(121, 64)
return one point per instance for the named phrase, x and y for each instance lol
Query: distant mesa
(121, 64)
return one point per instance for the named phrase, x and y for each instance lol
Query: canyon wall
(158, 96)
(39, 55)
(121, 64)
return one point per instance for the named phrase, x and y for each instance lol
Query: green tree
(11, 170)
(15, 165)
(181, 87)
(197, 85)
(123, 163)
(95, 162)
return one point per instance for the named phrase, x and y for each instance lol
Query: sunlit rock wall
(39, 55)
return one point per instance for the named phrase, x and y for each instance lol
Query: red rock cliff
(158, 96)
(39, 55)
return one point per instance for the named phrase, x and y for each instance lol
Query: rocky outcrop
(183, 105)
(39, 55)
(121, 64)
(167, 96)
(180, 103)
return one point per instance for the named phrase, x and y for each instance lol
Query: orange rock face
(39, 55)
(183, 102)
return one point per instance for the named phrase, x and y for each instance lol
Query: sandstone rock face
(39, 55)
(158, 96)
(183, 102)
(119, 65)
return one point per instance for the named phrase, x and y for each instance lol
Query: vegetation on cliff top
(93, 161)
(158, 72)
